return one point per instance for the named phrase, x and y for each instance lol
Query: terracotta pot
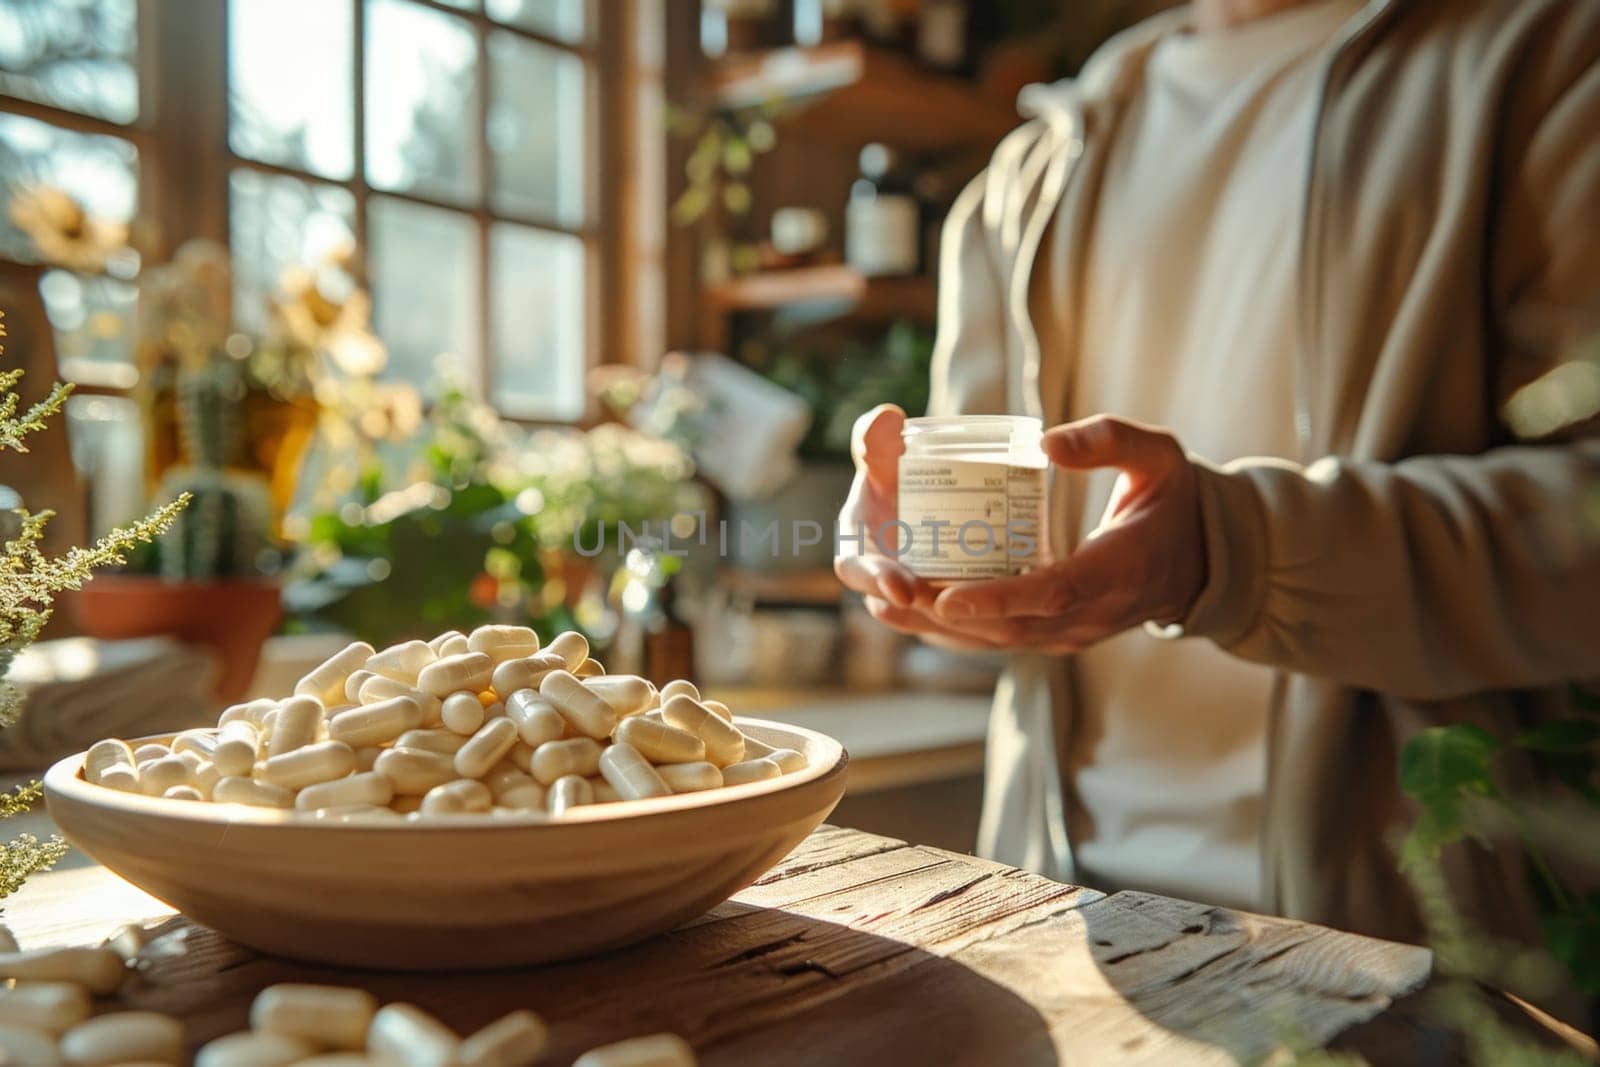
(232, 616)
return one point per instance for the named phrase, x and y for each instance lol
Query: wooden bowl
(454, 892)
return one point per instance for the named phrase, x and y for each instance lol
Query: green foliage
(224, 531)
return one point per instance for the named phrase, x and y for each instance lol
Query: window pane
(561, 19)
(290, 93)
(276, 222)
(425, 287)
(100, 172)
(536, 129)
(73, 54)
(537, 322)
(422, 101)
(92, 318)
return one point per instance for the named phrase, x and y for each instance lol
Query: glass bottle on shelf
(882, 226)
(943, 34)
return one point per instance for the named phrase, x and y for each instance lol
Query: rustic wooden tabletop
(855, 949)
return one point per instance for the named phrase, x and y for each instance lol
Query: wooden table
(855, 949)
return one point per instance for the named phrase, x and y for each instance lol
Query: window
(454, 141)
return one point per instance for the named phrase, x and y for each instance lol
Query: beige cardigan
(1417, 566)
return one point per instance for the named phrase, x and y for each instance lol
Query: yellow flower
(62, 231)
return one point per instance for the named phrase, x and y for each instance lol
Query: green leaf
(1573, 937)
(1446, 761)
(1562, 735)
(1438, 825)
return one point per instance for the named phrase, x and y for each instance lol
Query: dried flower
(62, 230)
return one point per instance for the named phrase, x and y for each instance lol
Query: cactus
(210, 401)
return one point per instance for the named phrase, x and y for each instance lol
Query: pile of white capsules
(486, 722)
(45, 1022)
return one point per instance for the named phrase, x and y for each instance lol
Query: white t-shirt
(1187, 321)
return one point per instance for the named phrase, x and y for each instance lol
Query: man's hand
(1144, 561)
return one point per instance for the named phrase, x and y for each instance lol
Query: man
(1272, 270)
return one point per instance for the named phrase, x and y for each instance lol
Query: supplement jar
(971, 496)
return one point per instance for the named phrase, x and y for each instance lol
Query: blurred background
(421, 299)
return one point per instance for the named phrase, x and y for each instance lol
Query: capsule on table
(630, 774)
(724, 743)
(253, 712)
(432, 740)
(410, 1037)
(788, 759)
(402, 661)
(52, 1006)
(660, 742)
(469, 670)
(326, 681)
(679, 686)
(454, 798)
(365, 787)
(751, 770)
(238, 746)
(297, 723)
(536, 719)
(572, 647)
(99, 970)
(253, 1048)
(584, 710)
(486, 748)
(568, 792)
(251, 792)
(376, 724)
(501, 643)
(653, 1050)
(321, 762)
(159, 775)
(323, 1015)
(124, 1037)
(27, 1045)
(511, 1040)
(462, 713)
(628, 694)
(690, 777)
(557, 759)
(525, 673)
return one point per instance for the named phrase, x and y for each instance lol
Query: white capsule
(122, 778)
(99, 970)
(149, 752)
(487, 747)
(505, 775)
(510, 1041)
(787, 759)
(589, 668)
(630, 774)
(659, 742)
(238, 746)
(253, 712)
(438, 642)
(159, 775)
(521, 756)
(571, 646)
(584, 710)
(723, 741)
(28, 1046)
(298, 721)
(410, 1037)
(376, 724)
(183, 792)
(446, 741)
(377, 689)
(524, 673)
(321, 762)
(402, 662)
(690, 777)
(469, 670)
(353, 684)
(558, 759)
(322, 1015)
(251, 1048)
(461, 795)
(103, 755)
(719, 709)
(128, 940)
(528, 797)
(751, 770)
(628, 694)
(568, 792)
(251, 792)
(202, 743)
(367, 787)
(454, 645)
(462, 713)
(537, 719)
(754, 749)
(504, 642)
(52, 1006)
(326, 681)
(679, 686)
(654, 1050)
(124, 1037)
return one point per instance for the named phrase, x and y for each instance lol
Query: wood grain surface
(853, 949)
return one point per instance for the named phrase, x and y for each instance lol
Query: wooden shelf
(876, 299)
(803, 587)
(850, 93)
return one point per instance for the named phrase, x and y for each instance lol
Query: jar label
(969, 519)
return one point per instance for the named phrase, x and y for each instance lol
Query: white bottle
(881, 221)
